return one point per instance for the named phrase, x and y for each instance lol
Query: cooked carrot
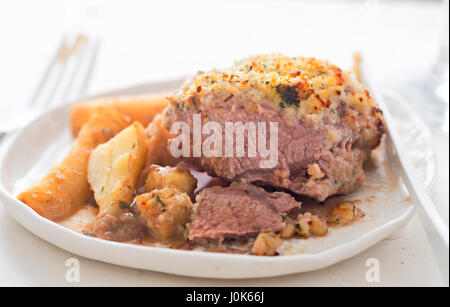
(139, 108)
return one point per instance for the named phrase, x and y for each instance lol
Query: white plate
(38, 146)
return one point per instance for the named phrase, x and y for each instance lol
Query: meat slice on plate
(327, 122)
(237, 210)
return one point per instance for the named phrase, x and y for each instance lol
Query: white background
(146, 41)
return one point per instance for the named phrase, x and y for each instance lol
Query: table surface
(144, 42)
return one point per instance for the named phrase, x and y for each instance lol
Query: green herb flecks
(158, 199)
(123, 205)
(288, 94)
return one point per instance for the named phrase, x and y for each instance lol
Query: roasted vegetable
(114, 167)
(157, 144)
(139, 108)
(65, 189)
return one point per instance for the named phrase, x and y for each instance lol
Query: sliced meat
(327, 122)
(237, 210)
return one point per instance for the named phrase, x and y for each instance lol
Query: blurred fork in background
(65, 79)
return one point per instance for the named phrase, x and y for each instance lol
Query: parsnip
(114, 167)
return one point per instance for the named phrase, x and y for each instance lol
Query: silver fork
(65, 78)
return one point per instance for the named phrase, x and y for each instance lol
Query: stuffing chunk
(308, 224)
(288, 231)
(166, 212)
(266, 244)
(315, 172)
(178, 177)
(345, 213)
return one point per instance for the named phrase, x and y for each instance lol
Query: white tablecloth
(146, 42)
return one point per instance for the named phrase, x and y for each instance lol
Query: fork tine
(68, 73)
(78, 71)
(61, 77)
(64, 61)
(39, 89)
(82, 46)
(91, 66)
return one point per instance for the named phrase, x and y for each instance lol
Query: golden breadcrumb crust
(298, 84)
